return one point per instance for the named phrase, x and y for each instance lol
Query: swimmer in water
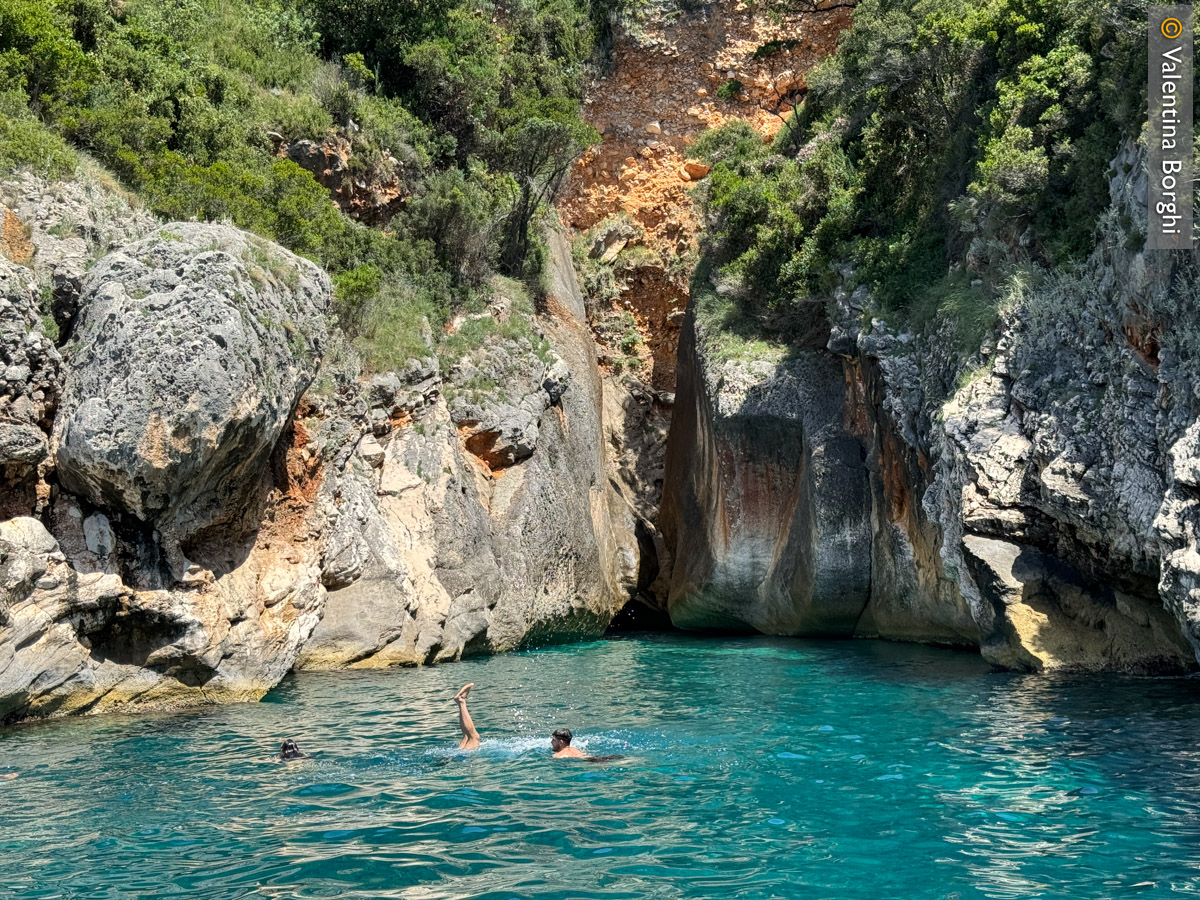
(470, 737)
(560, 743)
(290, 750)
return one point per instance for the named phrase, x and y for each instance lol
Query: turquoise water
(753, 769)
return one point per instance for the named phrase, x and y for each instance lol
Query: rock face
(372, 194)
(1053, 469)
(912, 597)
(1037, 500)
(192, 349)
(29, 386)
(477, 521)
(1045, 614)
(49, 234)
(75, 637)
(63, 226)
(191, 524)
(765, 509)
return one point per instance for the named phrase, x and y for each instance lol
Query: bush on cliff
(774, 219)
(25, 143)
(186, 101)
(147, 92)
(942, 134)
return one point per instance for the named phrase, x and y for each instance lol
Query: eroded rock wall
(29, 389)
(160, 432)
(1035, 498)
(911, 596)
(1057, 460)
(182, 523)
(765, 509)
(192, 348)
(481, 523)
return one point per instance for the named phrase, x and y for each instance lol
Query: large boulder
(192, 349)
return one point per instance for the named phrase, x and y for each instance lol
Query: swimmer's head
(289, 749)
(561, 738)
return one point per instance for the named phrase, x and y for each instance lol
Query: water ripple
(751, 769)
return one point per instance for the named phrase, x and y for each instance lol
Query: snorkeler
(290, 750)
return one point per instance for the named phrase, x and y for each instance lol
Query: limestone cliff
(145, 578)
(181, 523)
(629, 199)
(474, 523)
(1036, 500)
(765, 510)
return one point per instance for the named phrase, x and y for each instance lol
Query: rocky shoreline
(1035, 502)
(203, 492)
(187, 518)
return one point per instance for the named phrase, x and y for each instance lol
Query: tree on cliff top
(535, 143)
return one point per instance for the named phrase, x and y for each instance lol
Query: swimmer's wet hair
(564, 735)
(289, 749)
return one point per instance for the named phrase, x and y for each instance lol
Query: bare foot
(463, 692)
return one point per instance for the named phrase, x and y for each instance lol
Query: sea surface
(752, 768)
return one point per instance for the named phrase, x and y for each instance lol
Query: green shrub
(943, 133)
(476, 114)
(40, 56)
(388, 125)
(354, 292)
(770, 48)
(456, 213)
(736, 143)
(27, 144)
(292, 116)
(339, 98)
(730, 90)
(398, 326)
(776, 222)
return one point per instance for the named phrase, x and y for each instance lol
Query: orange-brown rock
(687, 58)
(14, 237)
(372, 196)
(642, 168)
